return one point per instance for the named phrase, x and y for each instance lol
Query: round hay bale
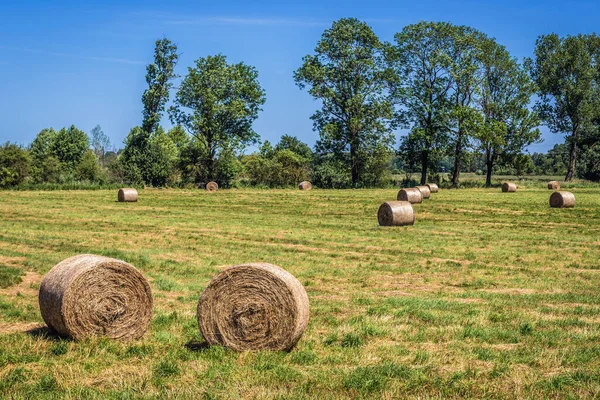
(306, 185)
(433, 188)
(509, 187)
(562, 200)
(396, 213)
(88, 295)
(212, 186)
(554, 185)
(412, 195)
(127, 195)
(425, 192)
(255, 306)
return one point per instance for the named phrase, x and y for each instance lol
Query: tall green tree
(217, 103)
(566, 73)
(347, 73)
(69, 145)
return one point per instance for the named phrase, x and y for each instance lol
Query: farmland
(489, 294)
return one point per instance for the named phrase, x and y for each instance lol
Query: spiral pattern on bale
(212, 186)
(255, 306)
(433, 188)
(562, 200)
(508, 187)
(412, 195)
(90, 296)
(553, 185)
(306, 185)
(396, 213)
(425, 192)
(127, 195)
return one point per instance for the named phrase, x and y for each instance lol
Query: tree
(69, 145)
(100, 143)
(348, 75)
(45, 167)
(294, 144)
(89, 169)
(217, 103)
(15, 164)
(566, 73)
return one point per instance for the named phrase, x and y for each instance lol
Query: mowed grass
(489, 295)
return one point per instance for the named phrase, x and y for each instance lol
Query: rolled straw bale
(554, 185)
(509, 187)
(212, 186)
(424, 191)
(433, 188)
(89, 295)
(253, 307)
(412, 195)
(562, 200)
(306, 185)
(128, 195)
(396, 213)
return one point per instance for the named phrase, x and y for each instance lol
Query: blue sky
(83, 63)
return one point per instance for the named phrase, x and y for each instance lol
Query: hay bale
(508, 187)
(88, 295)
(396, 213)
(412, 195)
(433, 188)
(554, 185)
(306, 185)
(253, 307)
(562, 200)
(127, 195)
(212, 186)
(425, 192)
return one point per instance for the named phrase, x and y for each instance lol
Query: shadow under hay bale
(212, 187)
(129, 195)
(89, 296)
(554, 185)
(396, 213)
(306, 185)
(256, 306)
(433, 188)
(508, 187)
(425, 192)
(412, 195)
(562, 200)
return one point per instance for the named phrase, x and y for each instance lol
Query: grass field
(489, 295)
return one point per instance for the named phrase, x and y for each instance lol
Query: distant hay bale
(128, 195)
(433, 188)
(562, 200)
(396, 213)
(255, 306)
(509, 187)
(554, 185)
(212, 186)
(412, 195)
(89, 296)
(425, 192)
(306, 185)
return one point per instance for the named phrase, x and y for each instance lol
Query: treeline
(464, 100)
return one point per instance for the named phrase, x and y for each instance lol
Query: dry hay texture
(562, 200)
(89, 296)
(509, 187)
(306, 185)
(554, 185)
(412, 195)
(424, 191)
(396, 213)
(128, 195)
(433, 188)
(253, 307)
(212, 186)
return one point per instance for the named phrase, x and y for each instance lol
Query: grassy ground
(489, 295)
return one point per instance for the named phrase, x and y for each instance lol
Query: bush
(15, 164)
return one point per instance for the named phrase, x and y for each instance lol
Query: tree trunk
(424, 164)
(572, 157)
(354, 161)
(489, 162)
(457, 160)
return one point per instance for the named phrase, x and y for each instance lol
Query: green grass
(489, 295)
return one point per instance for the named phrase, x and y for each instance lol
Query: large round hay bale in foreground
(562, 200)
(396, 213)
(127, 195)
(425, 192)
(433, 188)
(508, 187)
(306, 185)
(253, 307)
(554, 185)
(89, 296)
(412, 195)
(212, 186)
